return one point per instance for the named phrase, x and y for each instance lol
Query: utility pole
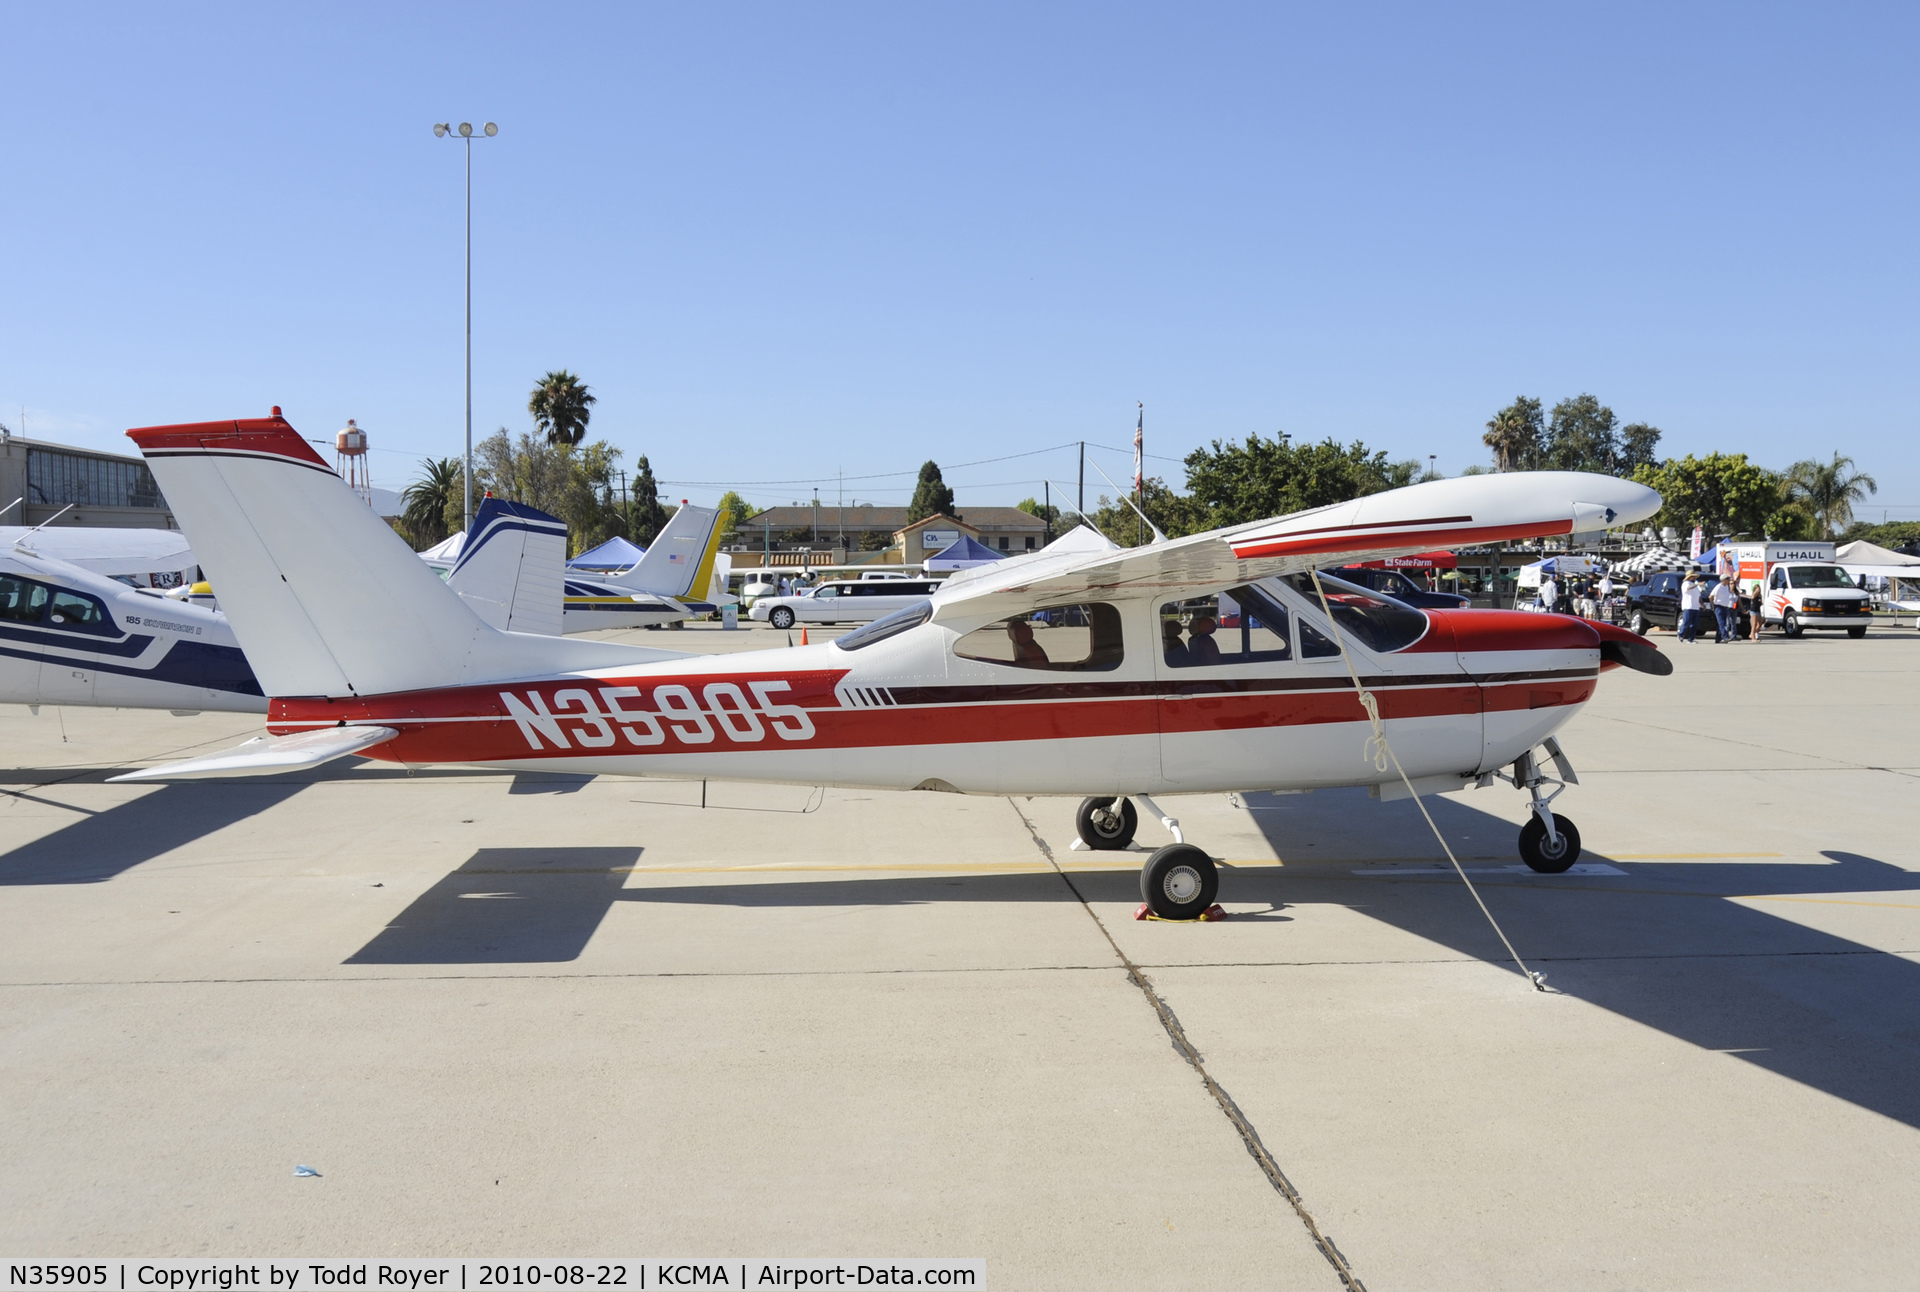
(1080, 499)
(1046, 507)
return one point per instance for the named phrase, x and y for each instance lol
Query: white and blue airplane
(682, 574)
(73, 636)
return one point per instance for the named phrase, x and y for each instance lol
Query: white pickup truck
(1800, 587)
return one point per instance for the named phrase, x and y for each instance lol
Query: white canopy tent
(1868, 561)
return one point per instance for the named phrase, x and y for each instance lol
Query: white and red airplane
(1200, 664)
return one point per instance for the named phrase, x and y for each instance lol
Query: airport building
(863, 533)
(70, 486)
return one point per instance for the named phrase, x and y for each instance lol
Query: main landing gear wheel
(1179, 882)
(1106, 825)
(782, 617)
(1549, 857)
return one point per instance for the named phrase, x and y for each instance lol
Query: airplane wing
(265, 755)
(1441, 513)
(106, 551)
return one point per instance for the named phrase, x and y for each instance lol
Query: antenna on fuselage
(1158, 536)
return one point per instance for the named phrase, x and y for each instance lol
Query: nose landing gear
(1549, 843)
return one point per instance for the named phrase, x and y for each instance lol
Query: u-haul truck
(1800, 587)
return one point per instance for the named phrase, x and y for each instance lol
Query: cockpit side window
(1240, 626)
(1061, 639)
(1376, 622)
(21, 600)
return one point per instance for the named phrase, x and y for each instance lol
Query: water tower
(350, 448)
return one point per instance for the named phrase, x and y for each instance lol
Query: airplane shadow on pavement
(97, 846)
(1665, 945)
(506, 906)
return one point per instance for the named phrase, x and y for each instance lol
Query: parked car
(842, 601)
(1656, 604)
(1395, 584)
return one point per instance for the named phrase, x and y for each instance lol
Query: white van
(843, 601)
(1801, 587)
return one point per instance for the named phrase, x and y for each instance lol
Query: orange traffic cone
(803, 637)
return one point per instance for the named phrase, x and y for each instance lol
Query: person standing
(1690, 608)
(1549, 593)
(1724, 600)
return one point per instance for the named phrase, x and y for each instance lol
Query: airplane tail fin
(512, 571)
(324, 597)
(679, 562)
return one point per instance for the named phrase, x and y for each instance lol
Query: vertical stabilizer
(678, 563)
(513, 572)
(325, 599)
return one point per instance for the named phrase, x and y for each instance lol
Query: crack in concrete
(1185, 1048)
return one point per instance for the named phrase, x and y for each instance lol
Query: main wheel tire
(1105, 828)
(1856, 632)
(1179, 882)
(1790, 624)
(1639, 624)
(1539, 855)
(782, 617)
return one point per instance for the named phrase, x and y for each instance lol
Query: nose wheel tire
(782, 617)
(1179, 882)
(1549, 858)
(1106, 825)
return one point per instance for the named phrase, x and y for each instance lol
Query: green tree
(1401, 474)
(434, 507)
(1230, 484)
(1889, 534)
(1723, 493)
(561, 407)
(734, 512)
(573, 483)
(1638, 447)
(1828, 490)
(1515, 435)
(645, 516)
(1580, 437)
(1167, 509)
(931, 497)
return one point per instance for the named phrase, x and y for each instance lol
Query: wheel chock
(1212, 915)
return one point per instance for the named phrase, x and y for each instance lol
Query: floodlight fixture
(466, 130)
(492, 130)
(440, 129)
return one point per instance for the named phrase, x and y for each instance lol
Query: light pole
(465, 132)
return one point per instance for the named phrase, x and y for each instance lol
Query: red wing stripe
(1291, 545)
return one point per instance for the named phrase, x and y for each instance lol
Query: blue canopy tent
(963, 555)
(613, 555)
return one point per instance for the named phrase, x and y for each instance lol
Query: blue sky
(785, 241)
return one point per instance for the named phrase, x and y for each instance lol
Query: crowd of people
(1584, 596)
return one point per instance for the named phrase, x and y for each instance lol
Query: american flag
(1139, 446)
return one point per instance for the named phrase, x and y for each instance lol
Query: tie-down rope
(1377, 750)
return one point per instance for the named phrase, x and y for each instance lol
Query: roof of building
(888, 519)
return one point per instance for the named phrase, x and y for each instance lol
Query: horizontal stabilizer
(266, 755)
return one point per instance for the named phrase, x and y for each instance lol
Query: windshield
(1820, 576)
(886, 626)
(1374, 621)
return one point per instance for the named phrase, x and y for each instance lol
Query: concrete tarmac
(555, 1016)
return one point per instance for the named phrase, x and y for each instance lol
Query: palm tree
(1514, 436)
(430, 498)
(1829, 490)
(561, 407)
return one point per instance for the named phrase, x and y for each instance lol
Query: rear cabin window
(1062, 639)
(74, 610)
(1240, 626)
(1376, 622)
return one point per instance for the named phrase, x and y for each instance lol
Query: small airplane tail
(679, 561)
(512, 570)
(325, 599)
